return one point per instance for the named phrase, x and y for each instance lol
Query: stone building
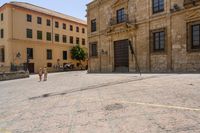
(43, 36)
(146, 35)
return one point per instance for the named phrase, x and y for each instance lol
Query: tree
(78, 54)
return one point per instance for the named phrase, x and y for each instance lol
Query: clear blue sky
(76, 8)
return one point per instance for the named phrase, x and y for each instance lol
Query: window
(39, 35)
(71, 39)
(64, 39)
(64, 26)
(83, 41)
(64, 55)
(49, 54)
(57, 37)
(56, 24)
(29, 53)
(77, 40)
(120, 16)
(29, 33)
(39, 20)
(29, 18)
(93, 50)
(1, 16)
(71, 28)
(48, 22)
(2, 55)
(77, 29)
(194, 36)
(48, 36)
(83, 30)
(93, 25)
(158, 6)
(49, 65)
(2, 33)
(158, 40)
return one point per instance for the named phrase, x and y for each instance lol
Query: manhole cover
(115, 106)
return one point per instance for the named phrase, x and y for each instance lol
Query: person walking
(40, 74)
(45, 73)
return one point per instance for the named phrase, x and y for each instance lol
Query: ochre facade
(175, 20)
(15, 42)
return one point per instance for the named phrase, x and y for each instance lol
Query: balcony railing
(117, 20)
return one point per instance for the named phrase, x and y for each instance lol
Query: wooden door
(121, 56)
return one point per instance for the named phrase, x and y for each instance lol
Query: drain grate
(113, 107)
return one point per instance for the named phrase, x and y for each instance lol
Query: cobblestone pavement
(77, 102)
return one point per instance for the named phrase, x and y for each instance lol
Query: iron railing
(117, 20)
(14, 68)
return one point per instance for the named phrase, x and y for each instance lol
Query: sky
(76, 8)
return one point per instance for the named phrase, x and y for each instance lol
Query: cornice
(96, 3)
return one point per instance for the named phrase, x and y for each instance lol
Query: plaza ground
(77, 102)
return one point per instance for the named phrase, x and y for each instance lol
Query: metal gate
(121, 56)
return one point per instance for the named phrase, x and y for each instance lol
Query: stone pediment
(118, 3)
(192, 15)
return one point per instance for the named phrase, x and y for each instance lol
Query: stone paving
(77, 102)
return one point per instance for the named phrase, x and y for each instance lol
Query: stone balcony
(123, 19)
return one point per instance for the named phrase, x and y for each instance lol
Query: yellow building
(44, 36)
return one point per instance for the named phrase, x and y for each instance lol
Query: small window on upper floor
(121, 16)
(56, 24)
(48, 22)
(71, 27)
(71, 39)
(158, 6)
(64, 26)
(57, 38)
(39, 20)
(29, 18)
(39, 35)
(77, 29)
(93, 25)
(1, 16)
(83, 30)
(29, 33)
(48, 36)
(64, 39)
